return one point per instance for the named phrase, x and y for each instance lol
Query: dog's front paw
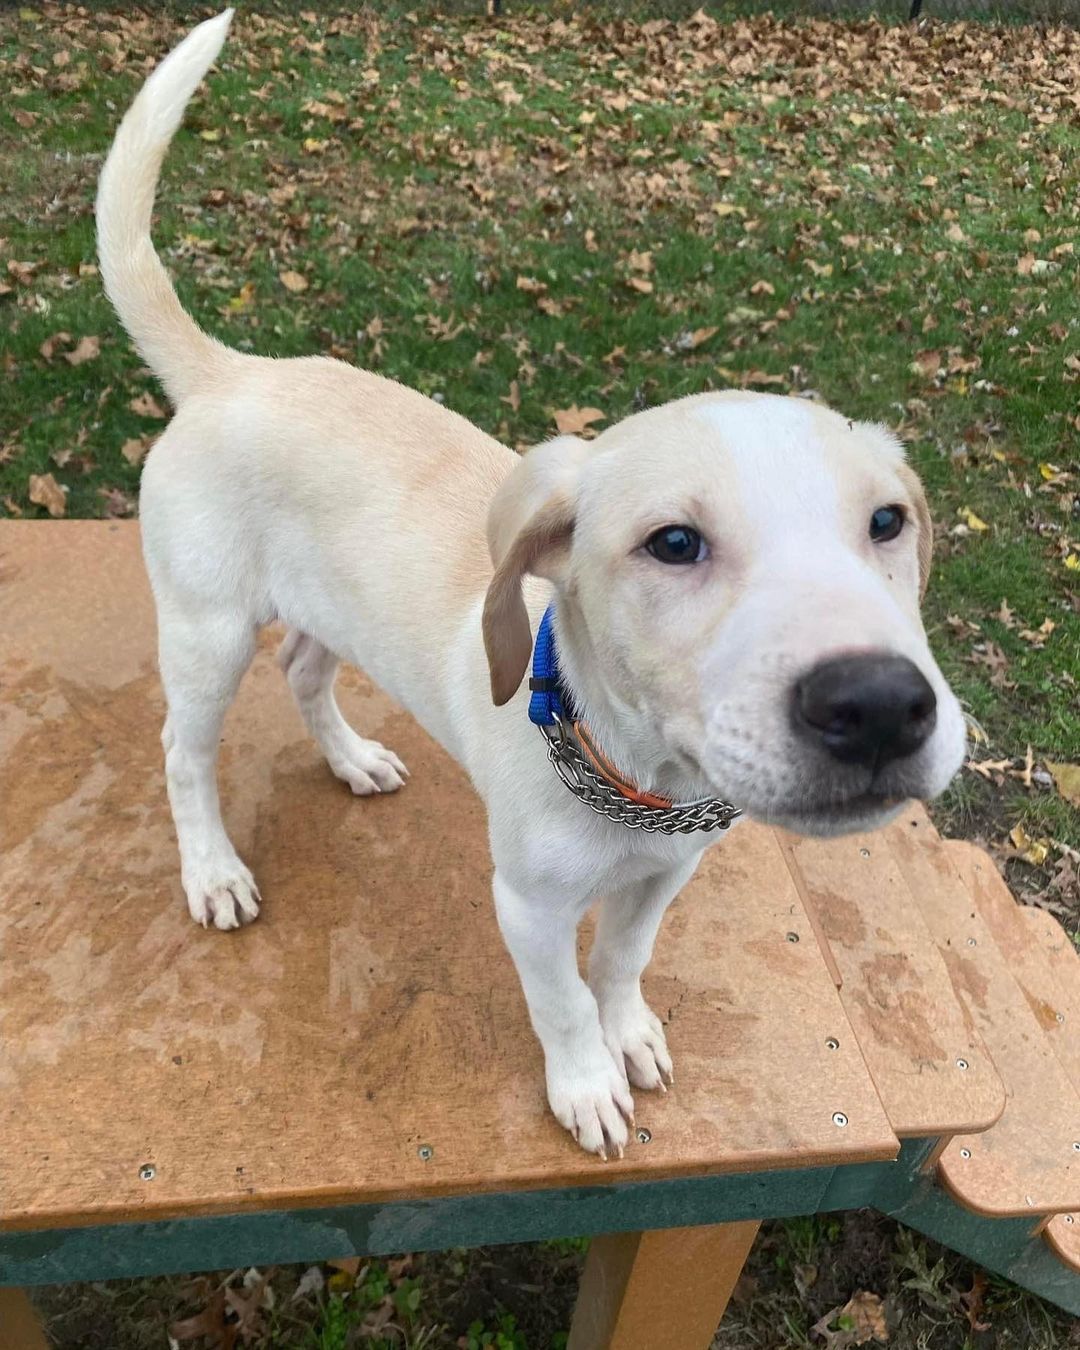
(223, 895)
(635, 1036)
(366, 766)
(591, 1098)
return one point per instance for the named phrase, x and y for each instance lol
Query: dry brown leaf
(514, 396)
(927, 363)
(861, 1320)
(1066, 779)
(46, 491)
(49, 346)
(146, 405)
(293, 281)
(134, 449)
(700, 335)
(640, 284)
(1034, 851)
(640, 262)
(86, 349)
(1026, 264)
(573, 421)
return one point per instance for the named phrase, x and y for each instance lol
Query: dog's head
(739, 578)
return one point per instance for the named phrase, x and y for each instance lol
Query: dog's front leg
(621, 950)
(586, 1088)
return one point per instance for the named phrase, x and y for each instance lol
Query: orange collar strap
(603, 765)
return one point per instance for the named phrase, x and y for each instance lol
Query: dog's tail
(172, 344)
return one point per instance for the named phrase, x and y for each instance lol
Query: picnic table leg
(20, 1327)
(653, 1291)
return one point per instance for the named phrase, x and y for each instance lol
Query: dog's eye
(886, 523)
(677, 544)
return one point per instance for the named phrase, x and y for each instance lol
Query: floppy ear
(530, 528)
(922, 517)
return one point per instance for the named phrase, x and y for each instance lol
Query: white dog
(733, 580)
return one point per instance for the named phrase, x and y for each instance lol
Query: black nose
(866, 709)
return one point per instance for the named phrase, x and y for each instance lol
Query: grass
(553, 211)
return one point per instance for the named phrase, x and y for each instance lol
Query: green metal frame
(901, 1188)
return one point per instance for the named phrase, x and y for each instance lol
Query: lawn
(552, 220)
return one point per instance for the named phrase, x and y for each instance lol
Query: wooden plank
(371, 1011)
(642, 1291)
(20, 1326)
(1060, 991)
(1025, 1164)
(912, 1028)
(1063, 1235)
(1052, 986)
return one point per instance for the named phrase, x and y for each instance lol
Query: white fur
(361, 514)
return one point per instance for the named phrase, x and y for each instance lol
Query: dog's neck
(627, 737)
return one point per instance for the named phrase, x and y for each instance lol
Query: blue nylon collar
(549, 700)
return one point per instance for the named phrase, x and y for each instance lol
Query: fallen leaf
(695, 339)
(146, 405)
(927, 363)
(1066, 779)
(988, 768)
(86, 349)
(973, 1301)
(1005, 615)
(49, 346)
(1034, 851)
(46, 491)
(860, 1320)
(311, 1282)
(762, 288)
(514, 396)
(134, 449)
(971, 520)
(210, 134)
(573, 421)
(293, 281)
(640, 284)
(640, 262)
(1026, 264)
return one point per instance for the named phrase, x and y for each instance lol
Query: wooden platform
(366, 1042)
(371, 1015)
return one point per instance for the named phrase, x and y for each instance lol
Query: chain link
(588, 786)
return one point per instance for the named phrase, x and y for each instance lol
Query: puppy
(731, 585)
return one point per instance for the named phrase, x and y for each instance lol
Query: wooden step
(913, 1030)
(1052, 986)
(1025, 1164)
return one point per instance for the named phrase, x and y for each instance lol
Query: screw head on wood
(864, 853)
(971, 942)
(644, 1136)
(965, 1153)
(839, 1119)
(425, 1153)
(832, 1043)
(147, 1172)
(961, 1064)
(793, 937)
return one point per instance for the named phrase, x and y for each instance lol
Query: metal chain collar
(588, 786)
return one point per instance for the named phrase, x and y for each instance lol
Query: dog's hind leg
(203, 654)
(365, 765)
